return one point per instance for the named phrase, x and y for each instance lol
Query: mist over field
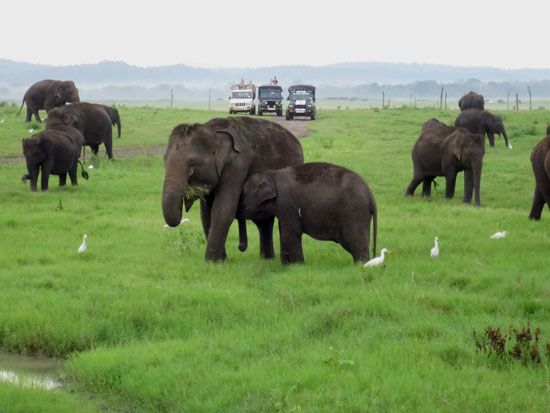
(109, 80)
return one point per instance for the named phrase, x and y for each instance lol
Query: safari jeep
(301, 102)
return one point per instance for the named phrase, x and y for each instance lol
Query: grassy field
(146, 325)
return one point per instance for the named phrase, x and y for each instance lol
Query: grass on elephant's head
(148, 325)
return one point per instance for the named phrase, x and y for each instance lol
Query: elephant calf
(325, 201)
(481, 121)
(53, 152)
(445, 151)
(540, 160)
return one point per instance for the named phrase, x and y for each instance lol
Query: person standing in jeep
(301, 102)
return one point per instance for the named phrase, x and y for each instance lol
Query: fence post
(529, 90)
(171, 98)
(517, 102)
(383, 99)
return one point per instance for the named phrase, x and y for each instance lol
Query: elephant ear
(229, 143)
(45, 144)
(265, 190)
(457, 145)
(69, 119)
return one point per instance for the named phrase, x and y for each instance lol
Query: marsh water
(28, 371)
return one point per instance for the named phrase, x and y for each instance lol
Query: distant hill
(119, 80)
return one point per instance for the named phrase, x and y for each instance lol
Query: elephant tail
(84, 173)
(22, 103)
(374, 213)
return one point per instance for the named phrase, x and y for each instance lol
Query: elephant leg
(109, 148)
(491, 136)
(243, 237)
(73, 173)
(412, 186)
(206, 210)
(224, 209)
(62, 179)
(356, 241)
(468, 186)
(28, 118)
(95, 149)
(37, 115)
(44, 178)
(450, 184)
(265, 228)
(427, 186)
(538, 205)
(290, 235)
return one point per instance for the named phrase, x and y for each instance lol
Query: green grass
(147, 325)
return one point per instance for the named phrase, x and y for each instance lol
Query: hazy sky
(247, 33)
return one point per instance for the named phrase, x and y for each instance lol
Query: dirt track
(297, 127)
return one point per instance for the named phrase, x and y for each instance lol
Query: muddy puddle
(27, 371)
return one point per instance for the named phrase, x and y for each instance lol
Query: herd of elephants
(247, 168)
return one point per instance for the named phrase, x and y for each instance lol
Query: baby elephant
(325, 201)
(53, 151)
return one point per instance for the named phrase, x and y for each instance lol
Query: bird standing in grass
(84, 246)
(498, 235)
(375, 262)
(434, 252)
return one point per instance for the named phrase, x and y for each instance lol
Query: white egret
(375, 262)
(84, 246)
(498, 235)
(434, 252)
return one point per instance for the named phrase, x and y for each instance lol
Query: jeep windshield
(300, 95)
(270, 94)
(241, 95)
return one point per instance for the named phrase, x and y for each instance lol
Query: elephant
(440, 153)
(54, 151)
(113, 114)
(471, 100)
(540, 160)
(91, 120)
(211, 161)
(324, 201)
(48, 94)
(481, 121)
(547, 129)
(430, 123)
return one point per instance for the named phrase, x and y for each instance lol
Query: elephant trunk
(119, 126)
(506, 139)
(172, 201)
(477, 183)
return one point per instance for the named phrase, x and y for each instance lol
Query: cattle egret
(31, 130)
(498, 235)
(375, 262)
(90, 167)
(434, 252)
(509, 146)
(2, 121)
(84, 245)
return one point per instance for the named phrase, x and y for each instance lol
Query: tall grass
(147, 325)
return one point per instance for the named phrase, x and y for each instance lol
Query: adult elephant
(540, 160)
(48, 94)
(483, 122)
(212, 161)
(113, 114)
(91, 120)
(440, 153)
(471, 100)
